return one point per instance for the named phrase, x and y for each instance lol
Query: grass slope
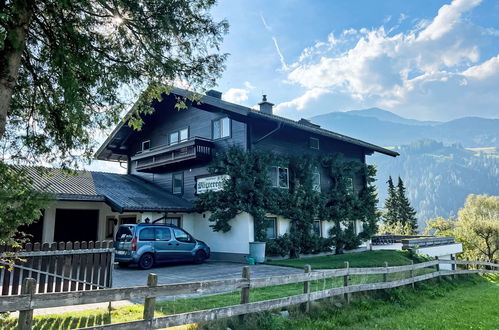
(470, 303)
(361, 259)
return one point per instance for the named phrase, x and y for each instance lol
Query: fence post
(26, 316)
(245, 291)
(385, 275)
(346, 279)
(437, 266)
(453, 266)
(412, 273)
(306, 288)
(149, 303)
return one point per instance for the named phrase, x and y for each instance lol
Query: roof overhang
(113, 149)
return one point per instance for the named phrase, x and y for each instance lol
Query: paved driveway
(210, 270)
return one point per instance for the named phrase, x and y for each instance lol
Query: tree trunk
(10, 55)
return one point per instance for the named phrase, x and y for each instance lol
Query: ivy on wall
(250, 190)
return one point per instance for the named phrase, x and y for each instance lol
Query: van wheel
(199, 257)
(146, 261)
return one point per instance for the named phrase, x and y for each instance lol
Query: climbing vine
(250, 190)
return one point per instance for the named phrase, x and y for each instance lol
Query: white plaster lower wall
(235, 241)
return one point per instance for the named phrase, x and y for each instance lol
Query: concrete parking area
(210, 270)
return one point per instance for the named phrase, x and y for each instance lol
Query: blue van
(147, 244)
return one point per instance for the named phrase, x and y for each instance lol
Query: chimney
(214, 93)
(265, 106)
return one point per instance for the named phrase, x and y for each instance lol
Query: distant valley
(440, 162)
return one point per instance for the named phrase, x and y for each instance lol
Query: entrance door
(76, 225)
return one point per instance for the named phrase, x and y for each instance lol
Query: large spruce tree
(405, 212)
(390, 215)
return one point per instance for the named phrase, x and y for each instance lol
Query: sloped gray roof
(123, 192)
(249, 112)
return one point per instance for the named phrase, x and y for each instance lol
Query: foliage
(70, 68)
(20, 204)
(390, 216)
(440, 227)
(477, 227)
(397, 228)
(399, 217)
(250, 190)
(406, 214)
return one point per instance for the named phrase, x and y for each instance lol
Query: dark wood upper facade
(176, 146)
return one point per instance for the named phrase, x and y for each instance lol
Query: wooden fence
(29, 300)
(57, 267)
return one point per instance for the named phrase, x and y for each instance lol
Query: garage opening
(76, 225)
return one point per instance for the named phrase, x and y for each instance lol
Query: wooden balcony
(170, 157)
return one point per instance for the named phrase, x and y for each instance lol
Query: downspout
(279, 126)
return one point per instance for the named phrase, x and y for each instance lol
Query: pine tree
(405, 212)
(391, 204)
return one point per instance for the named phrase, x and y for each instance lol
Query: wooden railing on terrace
(28, 300)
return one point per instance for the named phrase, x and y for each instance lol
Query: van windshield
(125, 233)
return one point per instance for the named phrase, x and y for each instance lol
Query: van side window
(163, 234)
(181, 235)
(146, 234)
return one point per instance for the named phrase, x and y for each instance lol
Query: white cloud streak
(398, 70)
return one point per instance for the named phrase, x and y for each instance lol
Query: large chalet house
(167, 167)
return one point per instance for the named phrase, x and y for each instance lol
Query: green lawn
(361, 259)
(470, 303)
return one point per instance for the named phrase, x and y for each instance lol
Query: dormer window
(314, 143)
(146, 145)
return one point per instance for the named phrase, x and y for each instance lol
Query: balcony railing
(168, 157)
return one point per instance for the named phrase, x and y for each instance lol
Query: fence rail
(27, 302)
(57, 267)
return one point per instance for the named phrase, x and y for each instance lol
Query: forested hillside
(438, 177)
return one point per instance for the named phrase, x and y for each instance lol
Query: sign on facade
(211, 183)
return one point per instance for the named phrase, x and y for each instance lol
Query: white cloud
(300, 102)
(379, 68)
(236, 95)
(448, 17)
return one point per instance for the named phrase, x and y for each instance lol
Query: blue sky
(429, 60)
(422, 59)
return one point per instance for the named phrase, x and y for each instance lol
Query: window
(178, 183)
(171, 221)
(178, 136)
(146, 234)
(221, 128)
(314, 143)
(181, 235)
(279, 177)
(146, 145)
(317, 228)
(270, 227)
(316, 180)
(163, 234)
